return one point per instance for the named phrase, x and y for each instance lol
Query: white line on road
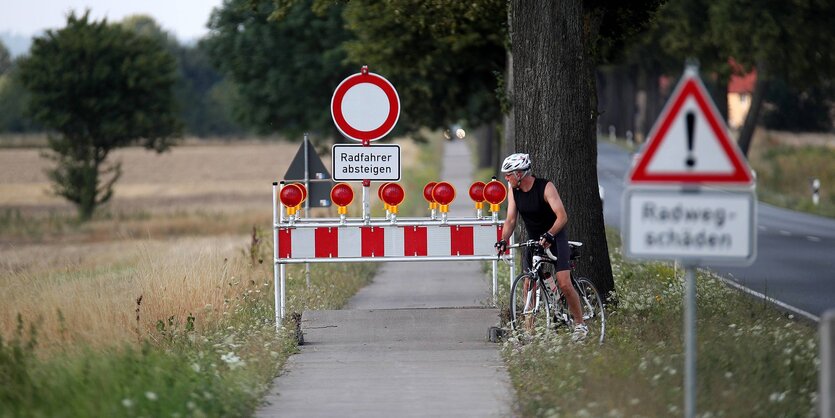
(754, 293)
(813, 238)
(785, 233)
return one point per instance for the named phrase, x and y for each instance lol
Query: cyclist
(544, 216)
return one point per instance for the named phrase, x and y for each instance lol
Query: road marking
(785, 233)
(762, 228)
(813, 238)
(754, 293)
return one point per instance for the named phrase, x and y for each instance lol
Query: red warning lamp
(393, 195)
(380, 195)
(291, 196)
(427, 194)
(495, 192)
(477, 194)
(443, 193)
(304, 191)
(342, 195)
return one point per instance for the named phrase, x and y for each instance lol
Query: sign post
(365, 107)
(690, 198)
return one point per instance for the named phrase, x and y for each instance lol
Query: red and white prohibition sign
(365, 106)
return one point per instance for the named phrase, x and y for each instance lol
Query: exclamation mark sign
(691, 127)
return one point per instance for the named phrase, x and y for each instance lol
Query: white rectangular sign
(698, 226)
(373, 162)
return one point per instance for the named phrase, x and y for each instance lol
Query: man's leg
(564, 280)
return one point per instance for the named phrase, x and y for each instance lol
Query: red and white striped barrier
(380, 243)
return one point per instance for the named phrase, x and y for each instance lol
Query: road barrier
(366, 239)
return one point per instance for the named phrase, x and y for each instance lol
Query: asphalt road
(795, 264)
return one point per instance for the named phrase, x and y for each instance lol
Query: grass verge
(753, 360)
(181, 326)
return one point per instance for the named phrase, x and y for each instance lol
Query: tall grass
(753, 361)
(178, 323)
(785, 173)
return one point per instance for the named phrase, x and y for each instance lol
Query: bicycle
(530, 305)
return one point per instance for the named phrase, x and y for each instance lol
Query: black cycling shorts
(563, 252)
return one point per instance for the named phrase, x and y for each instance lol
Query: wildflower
(151, 396)
(195, 367)
(127, 403)
(232, 360)
(777, 397)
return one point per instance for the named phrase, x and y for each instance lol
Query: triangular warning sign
(689, 143)
(315, 167)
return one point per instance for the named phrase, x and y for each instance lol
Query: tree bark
(508, 120)
(555, 107)
(760, 88)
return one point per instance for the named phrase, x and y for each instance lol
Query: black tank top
(536, 212)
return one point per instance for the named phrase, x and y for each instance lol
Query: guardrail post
(826, 391)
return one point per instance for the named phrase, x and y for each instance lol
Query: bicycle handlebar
(537, 248)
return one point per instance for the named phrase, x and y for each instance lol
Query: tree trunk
(654, 102)
(508, 120)
(485, 145)
(760, 88)
(555, 103)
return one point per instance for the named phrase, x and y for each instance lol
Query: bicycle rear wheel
(529, 306)
(593, 310)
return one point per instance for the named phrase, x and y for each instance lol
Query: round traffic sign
(365, 106)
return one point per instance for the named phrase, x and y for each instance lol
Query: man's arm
(510, 220)
(553, 199)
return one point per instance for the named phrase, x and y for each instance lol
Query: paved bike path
(412, 343)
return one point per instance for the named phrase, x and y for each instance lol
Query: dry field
(189, 177)
(180, 238)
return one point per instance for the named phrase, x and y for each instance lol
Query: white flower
(127, 403)
(232, 360)
(195, 367)
(151, 396)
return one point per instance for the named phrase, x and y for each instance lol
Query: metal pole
(366, 215)
(275, 257)
(826, 389)
(690, 341)
(306, 201)
(512, 262)
(495, 282)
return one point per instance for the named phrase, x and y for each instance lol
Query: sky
(186, 19)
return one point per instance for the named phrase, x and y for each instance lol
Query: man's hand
(547, 240)
(501, 247)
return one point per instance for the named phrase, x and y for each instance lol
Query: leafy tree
(5, 59)
(787, 39)
(98, 87)
(196, 77)
(804, 111)
(13, 98)
(444, 57)
(556, 46)
(285, 70)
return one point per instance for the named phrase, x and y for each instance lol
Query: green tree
(791, 40)
(445, 58)
(98, 87)
(284, 70)
(196, 79)
(556, 46)
(5, 59)
(13, 98)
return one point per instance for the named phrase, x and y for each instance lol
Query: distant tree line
(203, 95)
(786, 42)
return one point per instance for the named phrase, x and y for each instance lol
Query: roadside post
(365, 107)
(690, 198)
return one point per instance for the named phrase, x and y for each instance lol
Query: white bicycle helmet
(516, 162)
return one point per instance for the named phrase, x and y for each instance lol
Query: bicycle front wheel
(593, 309)
(529, 306)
